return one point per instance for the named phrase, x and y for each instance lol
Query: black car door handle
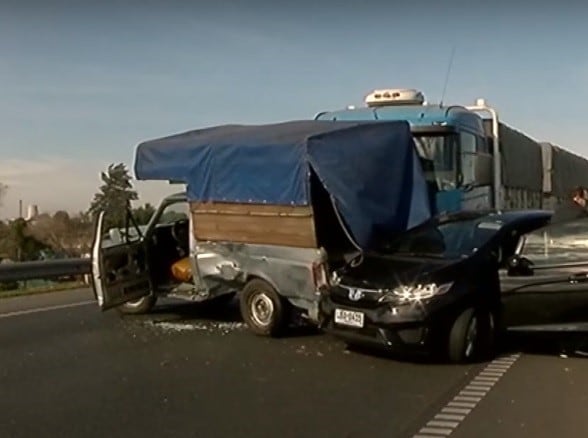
(579, 277)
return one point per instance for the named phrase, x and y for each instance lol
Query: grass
(56, 287)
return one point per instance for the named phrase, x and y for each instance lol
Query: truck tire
(137, 307)
(264, 311)
(471, 336)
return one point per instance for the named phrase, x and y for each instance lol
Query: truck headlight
(420, 292)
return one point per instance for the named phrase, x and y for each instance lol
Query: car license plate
(349, 318)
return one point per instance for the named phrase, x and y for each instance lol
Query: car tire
(264, 311)
(471, 336)
(138, 307)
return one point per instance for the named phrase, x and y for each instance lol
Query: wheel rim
(262, 309)
(471, 337)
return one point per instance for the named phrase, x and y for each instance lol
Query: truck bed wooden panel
(254, 223)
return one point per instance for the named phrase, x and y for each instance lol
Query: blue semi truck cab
(454, 145)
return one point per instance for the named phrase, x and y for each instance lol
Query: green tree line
(65, 235)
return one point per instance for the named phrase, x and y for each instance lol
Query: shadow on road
(535, 343)
(572, 344)
(185, 311)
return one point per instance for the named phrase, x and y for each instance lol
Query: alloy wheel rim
(471, 336)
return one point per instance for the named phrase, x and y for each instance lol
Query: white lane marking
(478, 387)
(449, 417)
(473, 393)
(457, 409)
(435, 423)
(436, 431)
(478, 381)
(467, 399)
(487, 379)
(459, 404)
(491, 374)
(45, 309)
(504, 362)
(497, 367)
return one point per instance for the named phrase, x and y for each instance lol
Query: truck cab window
(173, 213)
(441, 150)
(468, 157)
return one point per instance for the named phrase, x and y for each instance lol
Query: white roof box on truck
(394, 96)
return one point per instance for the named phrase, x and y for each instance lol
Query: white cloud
(60, 184)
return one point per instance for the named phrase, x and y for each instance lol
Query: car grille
(355, 297)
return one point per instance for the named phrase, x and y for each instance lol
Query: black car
(450, 285)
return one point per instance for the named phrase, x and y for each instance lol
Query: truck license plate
(349, 318)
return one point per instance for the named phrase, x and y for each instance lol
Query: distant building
(32, 212)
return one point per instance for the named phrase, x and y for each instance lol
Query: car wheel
(263, 310)
(138, 307)
(471, 336)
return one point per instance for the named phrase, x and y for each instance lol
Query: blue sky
(82, 84)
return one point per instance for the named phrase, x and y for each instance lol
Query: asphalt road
(66, 369)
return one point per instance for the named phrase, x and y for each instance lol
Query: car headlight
(420, 292)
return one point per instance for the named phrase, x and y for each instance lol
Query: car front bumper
(413, 328)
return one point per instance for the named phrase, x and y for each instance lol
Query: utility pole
(19, 249)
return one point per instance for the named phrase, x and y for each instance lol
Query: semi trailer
(473, 159)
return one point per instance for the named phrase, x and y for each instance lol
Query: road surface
(66, 369)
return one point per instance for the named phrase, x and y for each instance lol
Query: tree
(64, 234)
(21, 245)
(143, 214)
(4, 240)
(115, 196)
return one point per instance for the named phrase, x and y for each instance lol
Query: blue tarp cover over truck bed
(370, 169)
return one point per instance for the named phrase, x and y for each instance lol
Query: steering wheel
(178, 231)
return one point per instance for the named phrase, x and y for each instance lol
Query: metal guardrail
(45, 269)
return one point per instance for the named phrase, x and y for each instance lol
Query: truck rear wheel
(138, 307)
(264, 311)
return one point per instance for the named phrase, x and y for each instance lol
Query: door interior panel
(125, 274)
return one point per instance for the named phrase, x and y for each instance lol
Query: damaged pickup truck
(268, 213)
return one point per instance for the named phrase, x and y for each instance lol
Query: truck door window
(483, 146)
(468, 157)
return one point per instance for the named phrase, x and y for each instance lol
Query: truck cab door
(120, 270)
(548, 291)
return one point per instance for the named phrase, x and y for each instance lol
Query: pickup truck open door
(120, 270)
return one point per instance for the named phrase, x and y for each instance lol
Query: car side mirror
(519, 266)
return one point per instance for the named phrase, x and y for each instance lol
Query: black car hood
(385, 272)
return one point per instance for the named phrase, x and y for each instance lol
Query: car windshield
(455, 238)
